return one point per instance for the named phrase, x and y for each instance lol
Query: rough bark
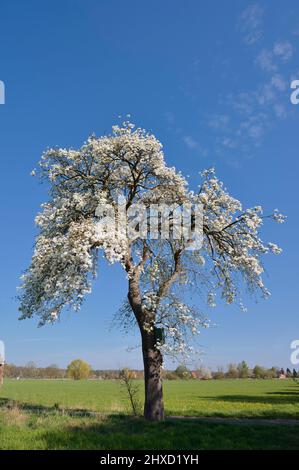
(152, 360)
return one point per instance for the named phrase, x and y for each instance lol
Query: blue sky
(212, 81)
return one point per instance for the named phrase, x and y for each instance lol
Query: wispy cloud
(190, 142)
(193, 144)
(248, 116)
(251, 23)
(284, 50)
(219, 121)
(279, 82)
(270, 60)
(245, 117)
(265, 60)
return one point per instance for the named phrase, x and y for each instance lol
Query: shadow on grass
(288, 393)
(6, 403)
(272, 398)
(53, 429)
(115, 433)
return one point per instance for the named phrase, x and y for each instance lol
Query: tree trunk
(153, 360)
(152, 357)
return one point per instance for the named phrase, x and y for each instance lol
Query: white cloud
(242, 103)
(193, 144)
(265, 61)
(190, 142)
(254, 127)
(229, 142)
(279, 82)
(245, 118)
(251, 23)
(284, 50)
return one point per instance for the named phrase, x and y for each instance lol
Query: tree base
(156, 414)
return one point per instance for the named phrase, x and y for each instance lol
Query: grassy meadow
(37, 414)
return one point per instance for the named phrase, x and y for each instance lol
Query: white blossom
(71, 235)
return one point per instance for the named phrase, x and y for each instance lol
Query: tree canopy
(78, 370)
(130, 161)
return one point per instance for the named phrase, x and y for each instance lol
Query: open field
(236, 398)
(30, 416)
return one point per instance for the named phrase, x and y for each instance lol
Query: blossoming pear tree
(159, 271)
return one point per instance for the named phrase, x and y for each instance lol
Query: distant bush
(218, 375)
(171, 376)
(232, 371)
(260, 372)
(182, 372)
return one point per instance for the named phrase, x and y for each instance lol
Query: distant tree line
(233, 371)
(32, 371)
(79, 369)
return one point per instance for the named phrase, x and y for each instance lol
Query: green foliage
(260, 372)
(270, 373)
(78, 370)
(219, 374)
(182, 372)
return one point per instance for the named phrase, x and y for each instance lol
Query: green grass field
(29, 417)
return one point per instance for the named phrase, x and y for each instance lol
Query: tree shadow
(291, 392)
(289, 396)
(6, 404)
(117, 433)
